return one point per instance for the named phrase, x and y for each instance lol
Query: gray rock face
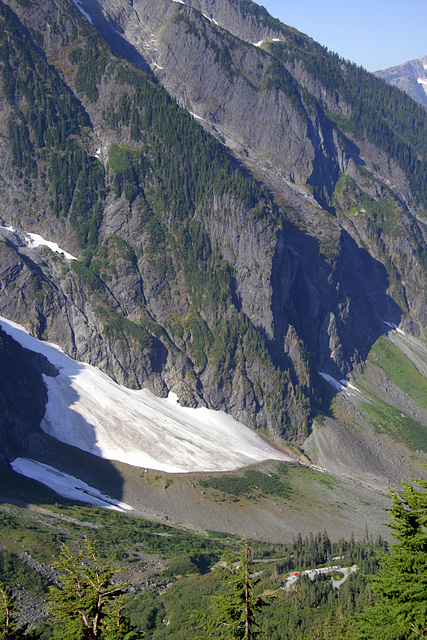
(410, 76)
(310, 279)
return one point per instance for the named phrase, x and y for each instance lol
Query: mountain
(410, 76)
(237, 216)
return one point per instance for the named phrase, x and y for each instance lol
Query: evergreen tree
(82, 608)
(8, 628)
(7, 616)
(401, 586)
(235, 611)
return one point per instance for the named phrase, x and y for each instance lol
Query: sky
(376, 34)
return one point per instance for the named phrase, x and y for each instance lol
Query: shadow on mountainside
(336, 306)
(111, 32)
(23, 398)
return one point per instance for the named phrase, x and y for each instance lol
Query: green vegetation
(343, 122)
(15, 572)
(399, 369)
(235, 611)
(384, 417)
(252, 484)
(400, 586)
(8, 619)
(45, 122)
(92, 61)
(401, 427)
(182, 581)
(87, 605)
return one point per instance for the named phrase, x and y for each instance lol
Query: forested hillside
(170, 583)
(240, 216)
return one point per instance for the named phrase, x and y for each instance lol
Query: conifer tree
(82, 607)
(401, 586)
(235, 611)
(7, 615)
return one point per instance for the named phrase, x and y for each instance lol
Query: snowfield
(90, 411)
(66, 485)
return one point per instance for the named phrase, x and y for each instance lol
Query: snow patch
(196, 116)
(66, 485)
(339, 385)
(80, 8)
(258, 44)
(210, 19)
(423, 82)
(33, 240)
(393, 326)
(348, 385)
(90, 411)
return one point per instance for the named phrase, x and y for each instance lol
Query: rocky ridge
(410, 77)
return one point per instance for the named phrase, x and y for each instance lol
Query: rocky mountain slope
(410, 76)
(246, 210)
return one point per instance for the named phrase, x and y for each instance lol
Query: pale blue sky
(375, 34)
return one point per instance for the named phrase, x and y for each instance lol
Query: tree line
(88, 604)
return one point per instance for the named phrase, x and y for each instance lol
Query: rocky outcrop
(410, 77)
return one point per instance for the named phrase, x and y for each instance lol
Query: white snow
(88, 410)
(394, 327)
(66, 485)
(348, 385)
(423, 82)
(80, 8)
(259, 44)
(33, 240)
(425, 66)
(210, 19)
(339, 385)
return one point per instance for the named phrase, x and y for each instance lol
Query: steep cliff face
(293, 115)
(226, 270)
